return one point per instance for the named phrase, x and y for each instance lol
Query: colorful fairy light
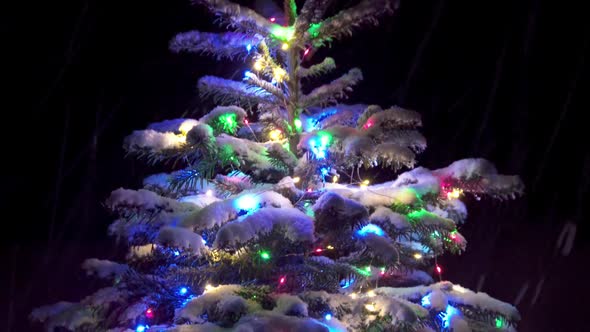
(309, 190)
(371, 229)
(438, 269)
(329, 247)
(149, 313)
(209, 193)
(324, 171)
(499, 322)
(455, 193)
(176, 253)
(319, 250)
(282, 280)
(248, 74)
(306, 51)
(183, 291)
(272, 19)
(285, 46)
(282, 33)
(446, 315)
(335, 179)
(418, 256)
(208, 288)
(425, 300)
(353, 296)
(265, 255)
(296, 179)
(246, 202)
(141, 328)
(249, 47)
(371, 293)
(328, 317)
(259, 65)
(228, 122)
(382, 271)
(298, 124)
(279, 74)
(371, 307)
(275, 135)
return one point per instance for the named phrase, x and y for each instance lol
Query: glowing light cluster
(371, 229)
(275, 135)
(371, 307)
(246, 202)
(446, 315)
(455, 193)
(228, 122)
(298, 124)
(319, 144)
(265, 255)
(259, 65)
(279, 74)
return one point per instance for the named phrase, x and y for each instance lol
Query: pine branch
(239, 17)
(226, 92)
(329, 93)
(324, 67)
(311, 12)
(230, 45)
(342, 24)
(253, 79)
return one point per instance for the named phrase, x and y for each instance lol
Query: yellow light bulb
(279, 74)
(285, 46)
(275, 135)
(186, 126)
(456, 193)
(371, 293)
(335, 179)
(258, 65)
(209, 193)
(329, 247)
(417, 256)
(371, 307)
(208, 288)
(353, 295)
(366, 182)
(296, 179)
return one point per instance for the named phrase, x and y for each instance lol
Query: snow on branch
(145, 200)
(390, 154)
(342, 24)
(221, 45)
(226, 92)
(253, 79)
(328, 93)
(153, 141)
(391, 118)
(480, 176)
(104, 268)
(321, 68)
(296, 225)
(238, 17)
(179, 237)
(311, 12)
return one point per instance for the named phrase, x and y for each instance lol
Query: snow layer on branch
(252, 155)
(393, 155)
(331, 92)
(103, 268)
(176, 126)
(467, 169)
(384, 194)
(199, 200)
(382, 246)
(218, 213)
(290, 305)
(266, 321)
(386, 216)
(141, 251)
(332, 210)
(153, 140)
(420, 179)
(228, 44)
(132, 313)
(221, 299)
(64, 314)
(233, 92)
(145, 200)
(392, 118)
(181, 238)
(454, 294)
(298, 227)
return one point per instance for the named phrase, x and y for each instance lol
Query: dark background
(501, 80)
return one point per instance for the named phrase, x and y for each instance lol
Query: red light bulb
(282, 280)
(319, 250)
(149, 313)
(272, 19)
(438, 269)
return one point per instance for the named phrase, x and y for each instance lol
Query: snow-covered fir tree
(265, 224)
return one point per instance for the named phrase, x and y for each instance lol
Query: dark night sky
(501, 80)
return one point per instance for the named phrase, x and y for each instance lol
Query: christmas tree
(265, 222)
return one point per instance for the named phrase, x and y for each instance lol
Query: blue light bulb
(371, 228)
(176, 253)
(183, 291)
(249, 47)
(140, 328)
(328, 316)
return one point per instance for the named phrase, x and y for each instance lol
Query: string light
(265, 255)
(318, 250)
(140, 328)
(371, 307)
(285, 46)
(364, 184)
(296, 179)
(279, 74)
(418, 256)
(176, 253)
(282, 280)
(371, 293)
(258, 65)
(306, 51)
(382, 271)
(248, 74)
(438, 269)
(246, 122)
(183, 291)
(353, 296)
(309, 190)
(328, 316)
(298, 124)
(249, 47)
(149, 313)
(209, 193)
(499, 322)
(275, 135)
(246, 202)
(329, 247)
(335, 179)
(324, 171)
(273, 19)
(447, 314)
(425, 300)
(455, 193)
(371, 229)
